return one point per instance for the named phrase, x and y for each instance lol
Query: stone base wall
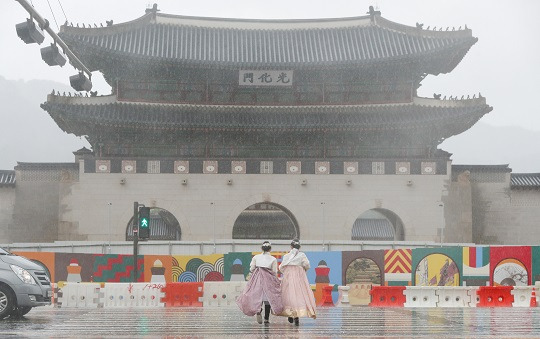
(7, 201)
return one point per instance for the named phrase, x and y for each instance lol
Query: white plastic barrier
(343, 296)
(78, 295)
(474, 297)
(454, 296)
(222, 293)
(132, 295)
(522, 296)
(420, 296)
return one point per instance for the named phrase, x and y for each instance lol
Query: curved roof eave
(72, 115)
(246, 41)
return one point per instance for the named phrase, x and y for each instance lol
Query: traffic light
(52, 56)
(80, 82)
(29, 32)
(144, 222)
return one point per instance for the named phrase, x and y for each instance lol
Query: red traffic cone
(533, 298)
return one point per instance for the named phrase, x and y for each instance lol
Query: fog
(503, 66)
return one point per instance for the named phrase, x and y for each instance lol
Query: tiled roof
(482, 168)
(372, 229)
(298, 43)
(7, 178)
(77, 115)
(525, 180)
(46, 165)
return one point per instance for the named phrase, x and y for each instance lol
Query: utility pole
(135, 240)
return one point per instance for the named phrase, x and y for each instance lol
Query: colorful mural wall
(448, 266)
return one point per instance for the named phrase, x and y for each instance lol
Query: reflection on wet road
(198, 322)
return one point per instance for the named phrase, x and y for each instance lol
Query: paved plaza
(229, 322)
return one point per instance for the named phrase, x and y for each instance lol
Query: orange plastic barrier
(326, 299)
(387, 296)
(182, 294)
(495, 296)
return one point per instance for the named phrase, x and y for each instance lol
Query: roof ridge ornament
(372, 12)
(152, 9)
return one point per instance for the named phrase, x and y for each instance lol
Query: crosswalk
(229, 322)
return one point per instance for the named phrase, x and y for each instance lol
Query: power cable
(65, 16)
(53, 15)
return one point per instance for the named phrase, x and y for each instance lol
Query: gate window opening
(266, 221)
(378, 224)
(163, 226)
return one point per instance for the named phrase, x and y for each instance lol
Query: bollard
(343, 298)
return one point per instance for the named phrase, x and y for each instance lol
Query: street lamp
(441, 229)
(214, 223)
(109, 204)
(323, 224)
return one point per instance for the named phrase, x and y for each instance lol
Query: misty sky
(503, 65)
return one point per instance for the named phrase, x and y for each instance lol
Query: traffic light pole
(135, 240)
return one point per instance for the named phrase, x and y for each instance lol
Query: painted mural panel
(158, 268)
(475, 266)
(510, 265)
(117, 268)
(236, 266)
(361, 270)
(198, 268)
(325, 270)
(437, 270)
(398, 267)
(437, 266)
(43, 259)
(368, 270)
(535, 254)
(74, 267)
(325, 267)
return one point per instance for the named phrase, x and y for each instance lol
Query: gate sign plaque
(265, 78)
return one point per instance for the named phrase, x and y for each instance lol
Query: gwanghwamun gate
(234, 131)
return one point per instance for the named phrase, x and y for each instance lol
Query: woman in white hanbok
(296, 294)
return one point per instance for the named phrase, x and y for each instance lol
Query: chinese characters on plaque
(265, 78)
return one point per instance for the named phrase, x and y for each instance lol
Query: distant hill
(492, 145)
(29, 134)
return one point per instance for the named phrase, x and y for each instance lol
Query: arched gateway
(378, 224)
(164, 226)
(266, 221)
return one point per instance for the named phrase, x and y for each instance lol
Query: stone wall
(38, 201)
(222, 197)
(7, 201)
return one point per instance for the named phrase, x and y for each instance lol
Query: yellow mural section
(437, 270)
(198, 268)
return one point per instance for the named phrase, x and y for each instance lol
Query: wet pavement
(229, 322)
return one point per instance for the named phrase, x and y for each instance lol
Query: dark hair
(266, 246)
(295, 244)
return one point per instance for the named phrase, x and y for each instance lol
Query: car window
(3, 252)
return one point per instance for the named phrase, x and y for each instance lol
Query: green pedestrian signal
(144, 222)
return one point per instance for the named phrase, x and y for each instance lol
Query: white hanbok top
(266, 260)
(295, 258)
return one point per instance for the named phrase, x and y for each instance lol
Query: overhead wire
(52, 13)
(65, 16)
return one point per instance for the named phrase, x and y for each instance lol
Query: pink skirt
(296, 294)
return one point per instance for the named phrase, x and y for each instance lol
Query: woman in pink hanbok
(297, 296)
(263, 287)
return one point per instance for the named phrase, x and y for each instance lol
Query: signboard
(265, 78)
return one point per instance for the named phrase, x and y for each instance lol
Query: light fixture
(29, 32)
(52, 56)
(80, 82)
